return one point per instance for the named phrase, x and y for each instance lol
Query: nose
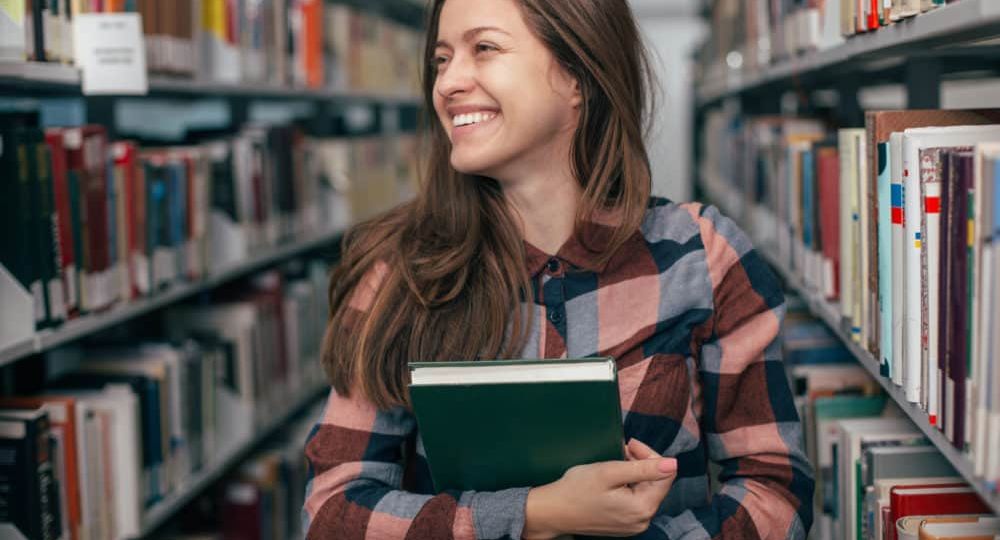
(456, 77)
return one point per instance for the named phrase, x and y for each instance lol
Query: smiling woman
(534, 236)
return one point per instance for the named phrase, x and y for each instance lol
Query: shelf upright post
(923, 83)
(849, 111)
(101, 110)
(239, 111)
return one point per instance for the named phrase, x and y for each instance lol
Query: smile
(472, 118)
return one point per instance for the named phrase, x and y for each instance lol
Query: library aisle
(856, 144)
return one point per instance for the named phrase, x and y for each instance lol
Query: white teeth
(472, 118)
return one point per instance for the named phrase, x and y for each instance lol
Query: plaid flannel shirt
(691, 314)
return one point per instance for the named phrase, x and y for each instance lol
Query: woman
(534, 236)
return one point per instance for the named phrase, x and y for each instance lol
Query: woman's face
(506, 104)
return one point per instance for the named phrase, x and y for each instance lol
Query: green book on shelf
(493, 425)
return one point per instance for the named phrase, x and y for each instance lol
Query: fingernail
(667, 465)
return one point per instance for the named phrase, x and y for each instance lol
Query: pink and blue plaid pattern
(691, 314)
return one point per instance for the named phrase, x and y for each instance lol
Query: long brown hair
(451, 263)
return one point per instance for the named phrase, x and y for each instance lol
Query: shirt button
(555, 316)
(554, 265)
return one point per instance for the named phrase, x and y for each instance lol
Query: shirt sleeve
(356, 463)
(749, 419)
(355, 456)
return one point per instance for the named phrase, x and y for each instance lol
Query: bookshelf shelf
(959, 24)
(165, 509)
(88, 324)
(829, 314)
(41, 75)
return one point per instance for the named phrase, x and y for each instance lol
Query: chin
(470, 164)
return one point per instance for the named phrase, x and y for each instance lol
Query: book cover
(64, 218)
(30, 495)
(934, 501)
(12, 31)
(62, 414)
(486, 435)
(828, 172)
(914, 140)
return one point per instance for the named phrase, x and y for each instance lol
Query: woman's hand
(616, 498)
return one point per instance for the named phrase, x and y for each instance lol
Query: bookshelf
(47, 340)
(960, 37)
(64, 78)
(163, 510)
(961, 24)
(830, 314)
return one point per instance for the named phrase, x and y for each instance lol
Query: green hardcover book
(493, 425)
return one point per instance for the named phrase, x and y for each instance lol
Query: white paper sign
(110, 53)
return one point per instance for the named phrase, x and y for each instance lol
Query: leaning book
(494, 425)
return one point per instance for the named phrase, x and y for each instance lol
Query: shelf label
(110, 52)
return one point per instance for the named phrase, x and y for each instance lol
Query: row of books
(121, 427)
(897, 222)
(261, 499)
(303, 43)
(98, 223)
(762, 32)
(876, 472)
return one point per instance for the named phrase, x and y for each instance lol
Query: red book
(935, 500)
(125, 154)
(828, 175)
(241, 512)
(873, 14)
(86, 151)
(64, 218)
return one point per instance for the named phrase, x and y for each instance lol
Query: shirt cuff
(499, 514)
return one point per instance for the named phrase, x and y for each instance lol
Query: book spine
(930, 266)
(884, 250)
(914, 239)
(26, 240)
(48, 228)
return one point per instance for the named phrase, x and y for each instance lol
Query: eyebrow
(471, 33)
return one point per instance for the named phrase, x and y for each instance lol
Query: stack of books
(873, 466)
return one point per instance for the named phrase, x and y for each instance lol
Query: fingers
(621, 473)
(640, 450)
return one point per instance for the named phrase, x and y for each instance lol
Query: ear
(576, 97)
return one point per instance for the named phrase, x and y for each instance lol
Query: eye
(486, 47)
(438, 61)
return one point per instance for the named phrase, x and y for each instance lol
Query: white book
(913, 141)
(930, 274)
(121, 403)
(987, 156)
(862, 264)
(991, 319)
(898, 260)
(12, 31)
(848, 220)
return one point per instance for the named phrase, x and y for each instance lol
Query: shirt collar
(583, 249)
